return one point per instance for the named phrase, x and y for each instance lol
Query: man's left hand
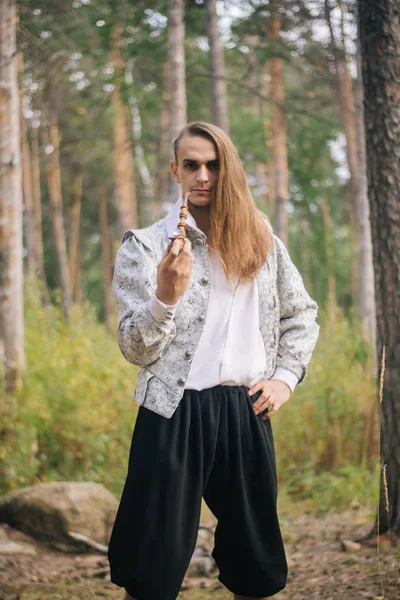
(275, 394)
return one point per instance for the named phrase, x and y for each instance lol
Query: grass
(75, 414)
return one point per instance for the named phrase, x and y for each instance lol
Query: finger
(256, 387)
(187, 245)
(272, 412)
(186, 254)
(174, 251)
(262, 403)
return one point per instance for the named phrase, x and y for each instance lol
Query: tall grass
(326, 435)
(74, 417)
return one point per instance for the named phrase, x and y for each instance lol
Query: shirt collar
(172, 218)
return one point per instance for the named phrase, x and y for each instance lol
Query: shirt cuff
(163, 313)
(287, 377)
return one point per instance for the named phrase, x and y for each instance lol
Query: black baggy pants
(214, 446)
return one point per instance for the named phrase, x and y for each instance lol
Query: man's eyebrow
(193, 160)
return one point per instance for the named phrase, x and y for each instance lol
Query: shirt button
(201, 318)
(204, 281)
(181, 381)
(188, 355)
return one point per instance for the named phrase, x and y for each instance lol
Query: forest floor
(319, 567)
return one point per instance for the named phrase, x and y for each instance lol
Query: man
(223, 329)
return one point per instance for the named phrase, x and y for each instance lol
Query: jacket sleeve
(142, 338)
(298, 312)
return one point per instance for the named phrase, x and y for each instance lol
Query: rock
(201, 566)
(205, 537)
(14, 542)
(349, 546)
(48, 511)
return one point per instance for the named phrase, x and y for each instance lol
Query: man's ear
(174, 170)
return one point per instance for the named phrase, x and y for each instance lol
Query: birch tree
(11, 262)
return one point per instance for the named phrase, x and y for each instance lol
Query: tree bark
(11, 239)
(31, 258)
(380, 47)
(75, 218)
(123, 156)
(161, 181)
(219, 100)
(145, 206)
(269, 143)
(37, 215)
(177, 82)
(328, 235)
(176, 55)
(363, 223)
(106, 255)
(362, 268)
(54, 183)
(279, 134)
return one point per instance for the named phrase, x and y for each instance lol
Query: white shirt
(231, 349)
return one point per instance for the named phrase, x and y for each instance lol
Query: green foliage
(326, 435)
(350, 486)
(74, 417)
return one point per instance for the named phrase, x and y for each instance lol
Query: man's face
(197, 168)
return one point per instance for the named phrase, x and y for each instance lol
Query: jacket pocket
(142, 380)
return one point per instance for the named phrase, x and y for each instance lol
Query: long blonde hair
(238, 231)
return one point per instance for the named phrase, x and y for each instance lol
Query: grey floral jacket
(287, 315)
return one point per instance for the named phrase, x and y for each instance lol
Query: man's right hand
(174, 271)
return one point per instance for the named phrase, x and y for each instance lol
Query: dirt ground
(319, 567)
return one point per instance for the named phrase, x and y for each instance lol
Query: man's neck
(201, 215)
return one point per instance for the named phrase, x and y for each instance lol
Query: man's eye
(190, 166)
(213, 166)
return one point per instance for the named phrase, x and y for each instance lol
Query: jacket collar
(172, 219)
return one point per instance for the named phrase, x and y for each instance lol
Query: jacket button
(204, 281)
(201, 318)
(188, 355)
(181, 381)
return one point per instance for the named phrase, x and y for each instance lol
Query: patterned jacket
(287, 315)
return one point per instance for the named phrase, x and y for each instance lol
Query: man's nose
(202, 174)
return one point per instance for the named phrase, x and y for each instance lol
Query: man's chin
(199, 202)
(200, 199)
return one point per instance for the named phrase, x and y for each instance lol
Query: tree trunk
(380, 48)
(78, 278)
(123, 156)
(11, 261)
(106, 255)
(31, 258)
(279, 134)
(75, 217)
(269, 141)
(161, 181)
(261, 169)
(177, 83)
(328, 235)
(363, 224)
(346, 101)
(362, 269)
(37, 215)
(54, 183)
(145, 207)
(219, 100)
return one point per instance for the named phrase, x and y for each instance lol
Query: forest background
(104, 88)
